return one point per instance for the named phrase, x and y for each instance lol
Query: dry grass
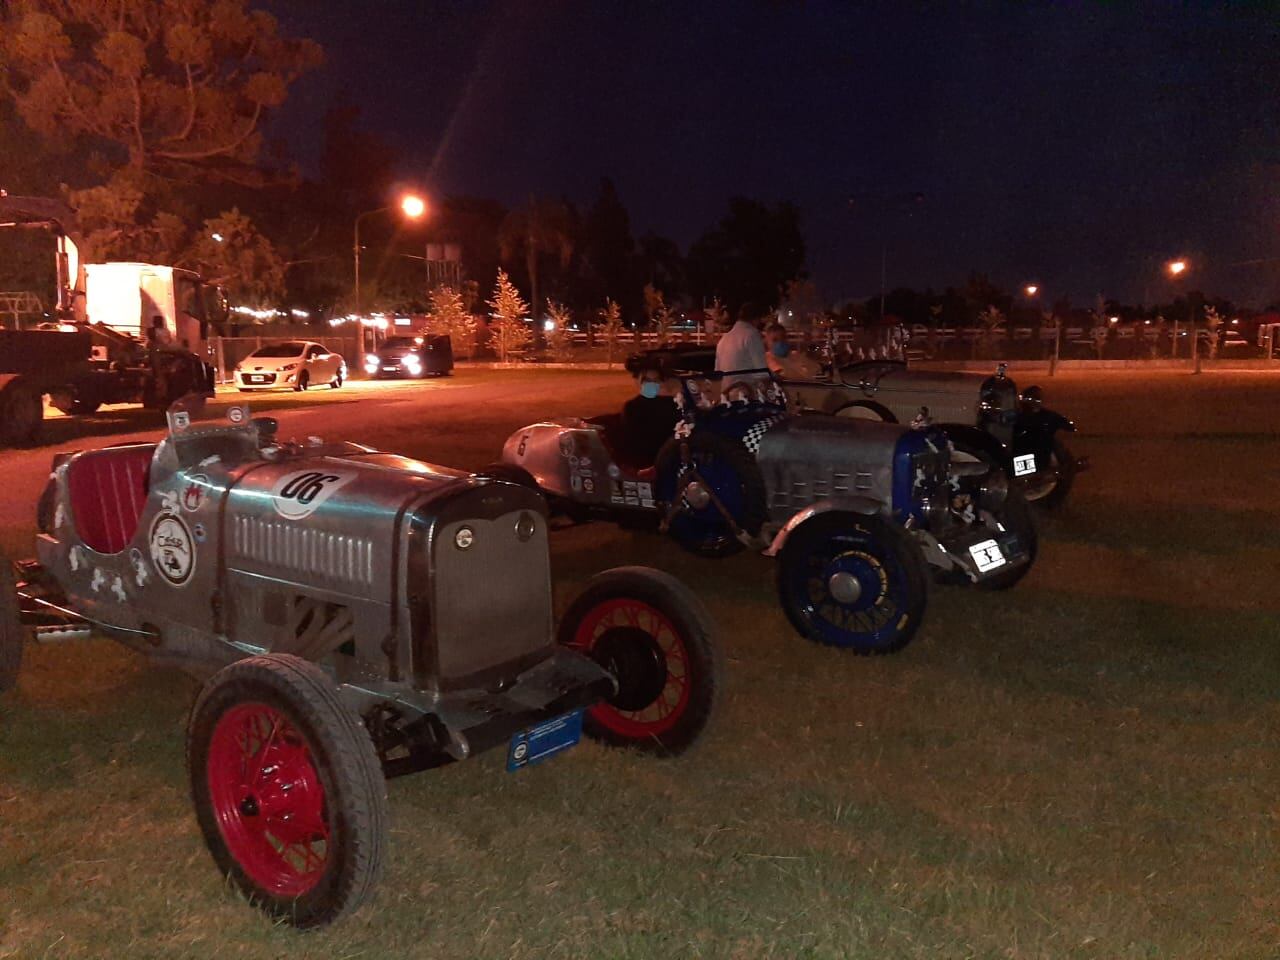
(1081, 768)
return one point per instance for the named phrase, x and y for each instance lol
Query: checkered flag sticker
(751, 439)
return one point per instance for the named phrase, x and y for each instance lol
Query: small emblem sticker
(172, 549)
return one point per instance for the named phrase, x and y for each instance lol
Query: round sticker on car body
(172, 549)
(299, 494)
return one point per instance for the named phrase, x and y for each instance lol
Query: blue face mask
(781, 349)
(649, 389)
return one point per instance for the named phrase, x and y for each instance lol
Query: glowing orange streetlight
(1031, 289)
(411, 205)
(1175, 267)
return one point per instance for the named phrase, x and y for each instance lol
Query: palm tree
(540, 228)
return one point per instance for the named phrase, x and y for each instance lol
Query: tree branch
(191, 109)
(75, 107)
(215, 151)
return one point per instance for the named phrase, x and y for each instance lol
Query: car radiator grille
(293, 550)
(798, 492)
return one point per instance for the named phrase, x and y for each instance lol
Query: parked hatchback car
(419, 356)
(292, 365)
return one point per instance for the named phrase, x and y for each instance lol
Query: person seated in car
(783, 359)
(648, 419)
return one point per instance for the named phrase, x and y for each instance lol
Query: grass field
(1084, 767)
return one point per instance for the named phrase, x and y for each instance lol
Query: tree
(610, 326)
(609, 252)
(990, 318)
(449, 315)
(540, 228)
(717, 314)
(660, 315)
(749, 256)
(229, 251)
(560, 339)
(509, 326)
(164, 96)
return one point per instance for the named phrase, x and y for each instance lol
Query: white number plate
(1024, 464)
(987, 556)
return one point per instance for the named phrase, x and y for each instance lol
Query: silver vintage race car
(357, 615)
(857, 513)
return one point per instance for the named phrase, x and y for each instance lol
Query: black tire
(21, 414)
(12, 633)
(336, 382)
(736, 479)
(621, 621)
(304, 381)
(882, 570)
(1016, 516)
(319, 747)
(510, 473)
(1054, 494)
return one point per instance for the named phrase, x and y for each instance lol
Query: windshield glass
(291, 348)
(398, 342)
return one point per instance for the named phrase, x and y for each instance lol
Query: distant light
(300, 314)
(403, 322)
(216, 236)
(1031, 289)
(413, 206)
(548, 325)
(1147, 322)
(1236, 320)
(1176, 267)
(1115, 319)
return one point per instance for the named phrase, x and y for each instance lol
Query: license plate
(987, 556)
(1024, 464)
(255, 379)
(544, 741)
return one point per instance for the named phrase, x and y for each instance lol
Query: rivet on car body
(464, 538)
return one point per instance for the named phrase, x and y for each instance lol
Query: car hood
(394, 353)
(254, 364)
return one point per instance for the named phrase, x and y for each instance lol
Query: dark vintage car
(984, 415)
(857, 513)
(417, 356)
(354, 615)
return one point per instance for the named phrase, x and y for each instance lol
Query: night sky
(1072, 145)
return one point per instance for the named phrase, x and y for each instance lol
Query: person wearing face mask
(648, 420)
(783, 359)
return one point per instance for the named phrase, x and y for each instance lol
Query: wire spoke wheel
(655, 638)
(287, 788)
(268, 799)
(851, 581)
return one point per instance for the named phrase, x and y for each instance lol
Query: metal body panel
(570, 459)
(805, 460)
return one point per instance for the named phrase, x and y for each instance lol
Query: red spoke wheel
(287, 788)
(656, 638)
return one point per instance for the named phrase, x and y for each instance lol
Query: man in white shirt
(742, 347)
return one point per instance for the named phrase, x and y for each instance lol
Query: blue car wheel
(852, 581)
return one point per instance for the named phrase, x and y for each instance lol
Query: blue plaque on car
(544, 741)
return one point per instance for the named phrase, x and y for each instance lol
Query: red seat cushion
(108, 490)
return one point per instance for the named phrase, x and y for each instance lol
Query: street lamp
(1176, 267)
(1031, 289)
(411, 205)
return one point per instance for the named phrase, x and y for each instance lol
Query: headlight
(371, 360)
(412, 363)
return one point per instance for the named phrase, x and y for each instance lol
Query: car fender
(978, 439)
(867, 506)
(1033, 432)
